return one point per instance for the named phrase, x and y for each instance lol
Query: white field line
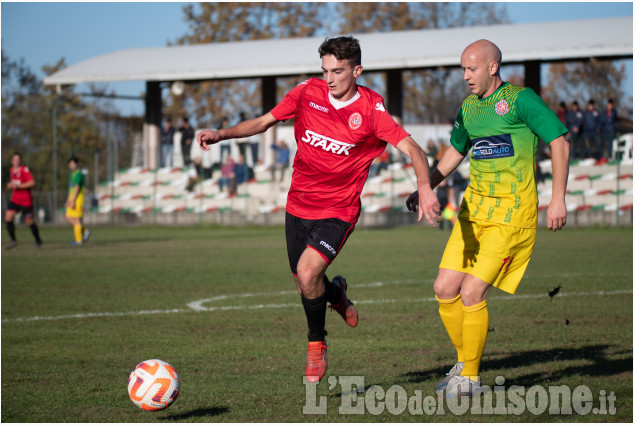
(198, 305)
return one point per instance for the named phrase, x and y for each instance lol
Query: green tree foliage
(209, 101)
(430, 95)
(29, 110)
(361, 17)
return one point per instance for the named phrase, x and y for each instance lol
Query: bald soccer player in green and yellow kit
(493, 239)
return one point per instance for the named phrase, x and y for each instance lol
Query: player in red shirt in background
(340, 128)
(21, 200)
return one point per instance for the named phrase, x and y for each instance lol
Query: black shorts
(326, 236)
(26, 211)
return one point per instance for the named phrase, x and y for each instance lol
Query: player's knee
(307, 276)
(443, 290)
(471, 296)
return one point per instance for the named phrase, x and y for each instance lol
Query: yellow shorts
(78, 211)
(495, 253)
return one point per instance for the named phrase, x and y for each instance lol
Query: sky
(43, 33)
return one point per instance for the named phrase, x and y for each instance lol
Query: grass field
(75, 322)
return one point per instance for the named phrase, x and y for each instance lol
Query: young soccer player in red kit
(340, 128)
(21, 200)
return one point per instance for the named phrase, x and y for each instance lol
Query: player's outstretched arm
(243, 129)
(449, 161)
(428, 203)
(557, 210)
(27, 184)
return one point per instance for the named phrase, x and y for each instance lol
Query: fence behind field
(598, 193)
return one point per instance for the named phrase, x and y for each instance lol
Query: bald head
(485, 50)
(481, 64)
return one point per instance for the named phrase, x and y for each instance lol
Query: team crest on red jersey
(501, 107)
(355, 121)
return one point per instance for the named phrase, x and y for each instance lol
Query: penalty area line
(197, 305)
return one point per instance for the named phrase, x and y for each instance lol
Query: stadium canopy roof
(546, 41)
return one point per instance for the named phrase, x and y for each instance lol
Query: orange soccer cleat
(345, 306)
(316, 361)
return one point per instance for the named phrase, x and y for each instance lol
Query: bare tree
(594, 79)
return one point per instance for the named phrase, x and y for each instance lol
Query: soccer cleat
(75, 243)
(86, 235)
(345, 306)
(455, 371)
(462, 386)
(11, 245)
(38, 244)
(316, 361)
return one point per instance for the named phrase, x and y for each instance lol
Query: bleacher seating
(161, 194)
(593, 185)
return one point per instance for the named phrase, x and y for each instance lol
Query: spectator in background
(167, 144)
(574, 120)
(442, 148)
(609, 128)
(591, 130)
(21, 200)
(227, 177)
(562, 113)
(281, 162)
(241, 171)
(459, 183)
(562, 116)
(444, 197)
(433, 153)
(187, 135)
(194, 174)
(225, 145)
(380, 163)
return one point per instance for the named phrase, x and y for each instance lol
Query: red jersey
(21, 197)
(337, 142)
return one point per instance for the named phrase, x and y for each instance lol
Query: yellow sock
(77, 230)
(451, 312)
(475, 326)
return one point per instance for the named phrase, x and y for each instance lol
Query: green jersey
(76, 179)
(502, 130)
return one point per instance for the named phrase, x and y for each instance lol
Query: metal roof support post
(532, 75)
(154, 115)
(394, 85)
(55, 177)
(268, 93)
(268, 88)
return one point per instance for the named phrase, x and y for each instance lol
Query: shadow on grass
(600, 365)
(198, 413)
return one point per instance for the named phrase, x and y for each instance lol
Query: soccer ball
(153, 385)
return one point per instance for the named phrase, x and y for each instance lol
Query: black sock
(11, 229)
(315, 311)
(331, 291)
(36, 232)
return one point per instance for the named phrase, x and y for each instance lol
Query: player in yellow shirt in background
(75, 203)
(493, 238)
